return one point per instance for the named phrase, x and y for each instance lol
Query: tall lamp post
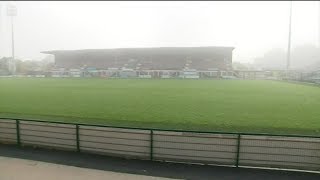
(289, 42)
(318, 40)
(11, 12)
(1, 43)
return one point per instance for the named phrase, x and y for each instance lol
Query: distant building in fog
(163, 58)
(7, 66)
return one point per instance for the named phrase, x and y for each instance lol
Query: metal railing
(216, 148)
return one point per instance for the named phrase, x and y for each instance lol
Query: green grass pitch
(210, 105)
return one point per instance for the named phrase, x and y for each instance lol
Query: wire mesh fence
(216, 148)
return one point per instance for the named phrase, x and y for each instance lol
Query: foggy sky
(251, 27)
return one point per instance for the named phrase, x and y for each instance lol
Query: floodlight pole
(11, 12)
(318, 43)
(12, 38)
(289, 42)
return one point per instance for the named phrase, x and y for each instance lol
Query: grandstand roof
(146, 58)
(151, 50)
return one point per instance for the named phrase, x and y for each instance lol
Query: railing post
(18, 133)
(238, 150)
(151, 145)
(77, 138)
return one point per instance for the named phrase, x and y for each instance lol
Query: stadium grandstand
(165, 62)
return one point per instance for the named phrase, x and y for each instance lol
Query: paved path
(21, 169)
(148, 169)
